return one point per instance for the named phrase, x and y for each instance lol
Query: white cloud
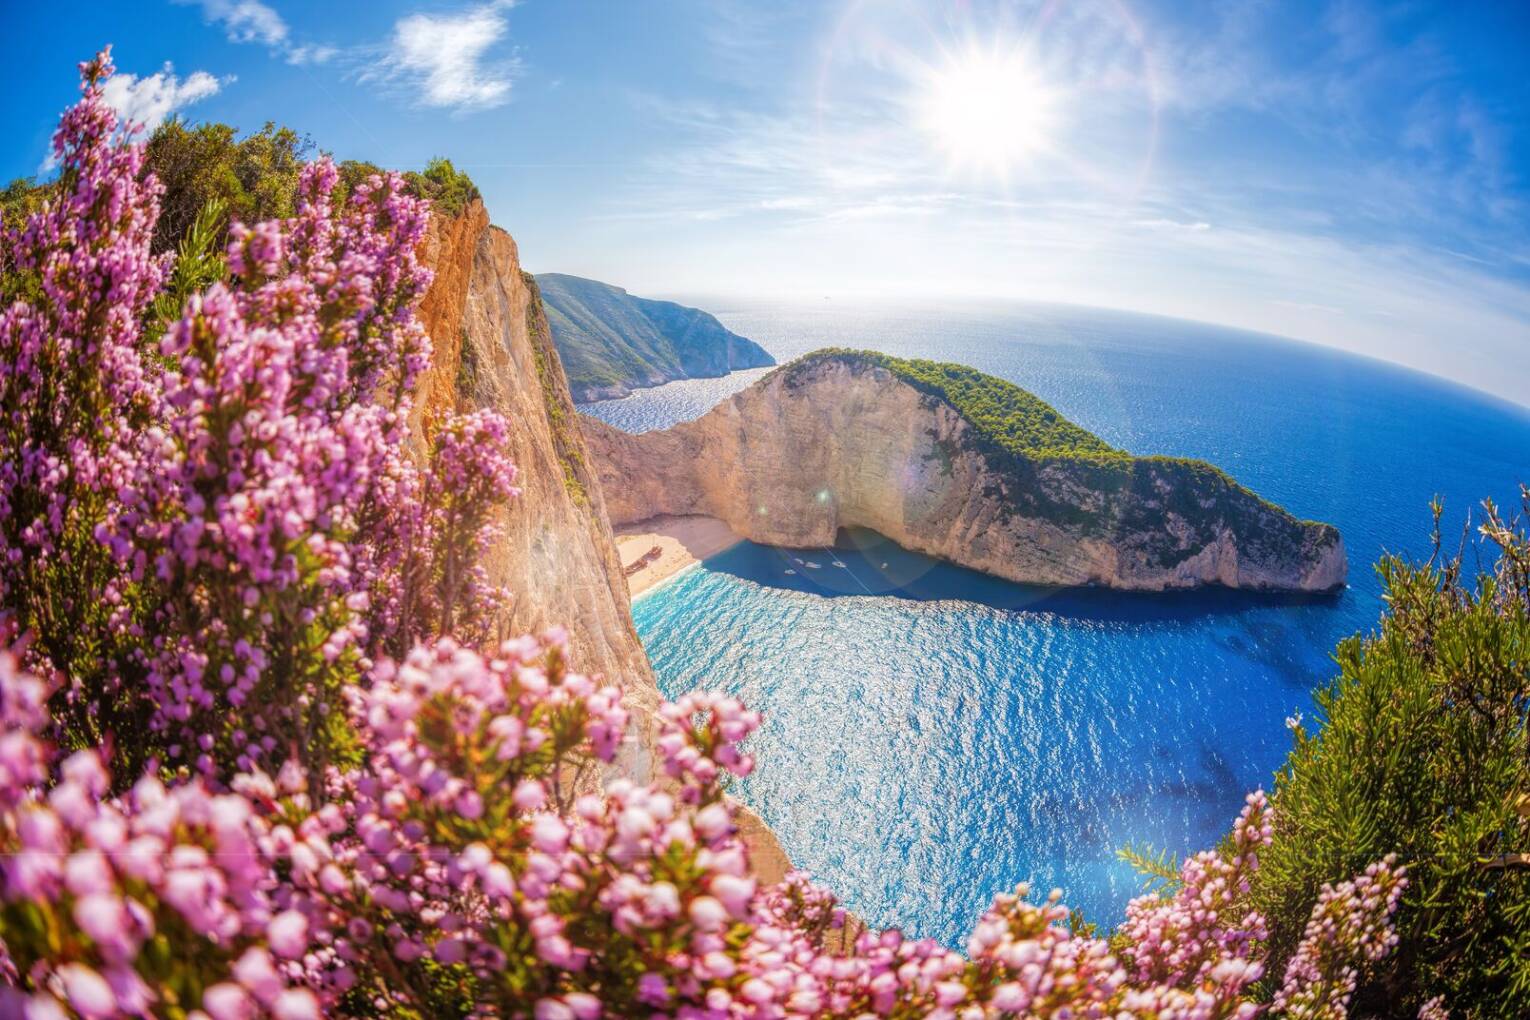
(250, 21)
(146, 102)
(301, 56)
(1194, 226)
(245, 20)
(441, 58)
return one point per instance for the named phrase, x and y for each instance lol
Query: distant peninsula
(611, 343)
(951, 462)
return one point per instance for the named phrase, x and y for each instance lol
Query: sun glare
(988, 111)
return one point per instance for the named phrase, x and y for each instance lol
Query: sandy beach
(679, 541)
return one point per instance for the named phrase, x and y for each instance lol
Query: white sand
(682, 541)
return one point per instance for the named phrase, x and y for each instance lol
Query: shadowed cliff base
(864, 563)
(964, 467)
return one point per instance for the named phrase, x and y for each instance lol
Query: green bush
(1422, 750)
(449, 189)
(247, 179)
(255, 178)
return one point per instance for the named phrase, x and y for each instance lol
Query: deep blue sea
(934, 736)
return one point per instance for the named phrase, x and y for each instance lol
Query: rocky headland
(950, 462)
(612, 342)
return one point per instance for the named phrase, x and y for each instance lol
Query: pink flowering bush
(263, 751)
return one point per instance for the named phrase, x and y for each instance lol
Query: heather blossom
(264, 750)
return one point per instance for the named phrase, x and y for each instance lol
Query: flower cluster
(73, 388)
(246, 494)
(229, 497)
(1350, 926)
(325, 785)
(1202, 941)
(103, 897)
(429, 564)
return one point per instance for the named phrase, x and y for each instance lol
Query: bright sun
(989, 111)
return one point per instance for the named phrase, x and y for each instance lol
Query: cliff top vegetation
(1017, 420)
(245, 180)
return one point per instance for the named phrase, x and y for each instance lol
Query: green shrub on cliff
(449, 189)
(1423, 751)
(254, 178)
(1012, 418)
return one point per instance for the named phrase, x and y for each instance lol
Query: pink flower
(734, 893)
(228, 1002)
(549, 834)
(707, 913)
(87, 992)
(288, 934)
(529, 795)
(296, 1004)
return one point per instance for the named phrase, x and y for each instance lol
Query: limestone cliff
(959, 465)
(492, 349)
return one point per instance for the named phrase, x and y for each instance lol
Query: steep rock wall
(832, 443)
(492, 348)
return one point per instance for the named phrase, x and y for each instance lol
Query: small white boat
(789, 570)
(840, 563)
(810, 565)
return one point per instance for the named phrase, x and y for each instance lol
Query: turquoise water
(933, 736)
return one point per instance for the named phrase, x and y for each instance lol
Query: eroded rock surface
(492, 349)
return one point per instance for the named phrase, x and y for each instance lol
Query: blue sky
(1349, 173)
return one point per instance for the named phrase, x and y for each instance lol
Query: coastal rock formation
(612, 343)
(956, 464)
(493, 349)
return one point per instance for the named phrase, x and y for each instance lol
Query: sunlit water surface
(933, 736)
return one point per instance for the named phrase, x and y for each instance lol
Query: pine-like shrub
(1422, 750)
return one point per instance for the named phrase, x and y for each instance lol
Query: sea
(933, 736)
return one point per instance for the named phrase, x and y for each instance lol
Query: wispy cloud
(1163, 223)
(250, 21)
(301, 56)
(444, 60)
(144, 103)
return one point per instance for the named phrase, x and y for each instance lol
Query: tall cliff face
(836, 441)
(493, 349)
